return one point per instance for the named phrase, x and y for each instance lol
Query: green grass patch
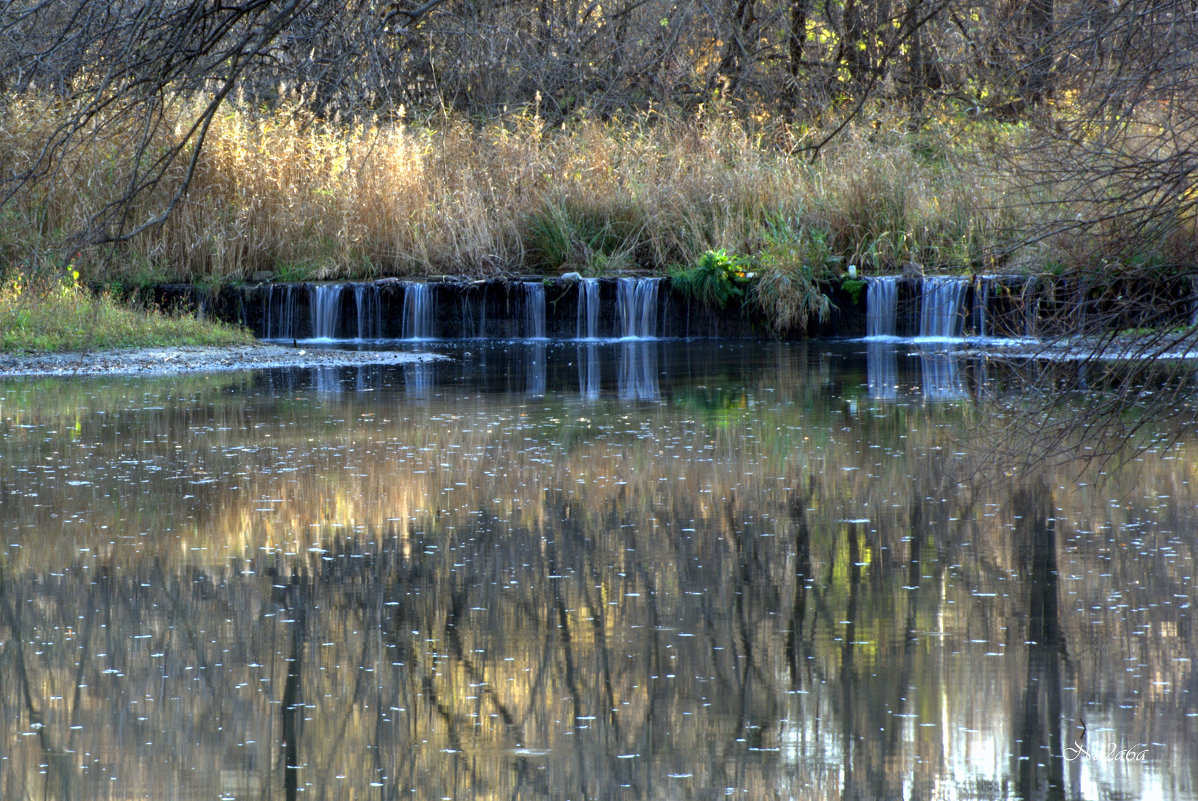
(54, 316)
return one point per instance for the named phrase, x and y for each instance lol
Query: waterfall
(981, 304)
(281, 312)
(418, 321)
(638, 307)
(940, 312)
(587, 326)
(881, 306)
(324, 309)
(534, 310)
(369, 309)
(474, 313)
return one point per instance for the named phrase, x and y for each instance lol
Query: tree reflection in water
(754, 580)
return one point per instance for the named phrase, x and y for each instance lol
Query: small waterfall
(534, 310)
(981, 304)
(940, 311)
(638, 307)
(281, 312)
(324, 309)
(587, 326)
(418, 320)
(369, 309)
(474, 313)
(881, 306)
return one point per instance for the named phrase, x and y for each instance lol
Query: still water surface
(648, 570)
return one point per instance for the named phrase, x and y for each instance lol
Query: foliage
(794, 263)
(308, 198)
(854, 287)
(382, 138)
(591, 238)
(49, 314)
(716, 280)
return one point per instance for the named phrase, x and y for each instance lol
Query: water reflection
(882, 361)
(638, 376)
(418, 379)
(589, 383)
(250, 586)
(536, 369)
(940, 367)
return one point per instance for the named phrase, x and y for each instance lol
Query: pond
(606, 570)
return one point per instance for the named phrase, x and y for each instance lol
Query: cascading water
(324, 308)
(940, 310)
(881, 306)
(281, 312)
(474, 313)
(638, 307)
(534, 310)
(418, 320)
(981, 304)
(587, 326)
(369, 310)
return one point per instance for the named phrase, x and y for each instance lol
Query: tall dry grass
(306, 198)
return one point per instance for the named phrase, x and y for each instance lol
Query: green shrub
(716, 280)
(792, 265)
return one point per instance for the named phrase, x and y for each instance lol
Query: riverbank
(159, 361)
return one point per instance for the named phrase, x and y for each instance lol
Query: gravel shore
(197, 359)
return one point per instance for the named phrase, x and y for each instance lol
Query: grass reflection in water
(680, 570)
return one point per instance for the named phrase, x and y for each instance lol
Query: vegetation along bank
(759, 148)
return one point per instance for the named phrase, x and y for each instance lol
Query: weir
(369, 310)
(941, 314)
(282, 311)
(325, 310)
(534, 310)
(587, 326)
(589, 309)
(638, 307)
(881, 306)
(417, 311)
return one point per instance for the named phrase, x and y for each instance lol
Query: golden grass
(309, 198)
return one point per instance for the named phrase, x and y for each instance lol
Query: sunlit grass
(308, 198)
(52, 316)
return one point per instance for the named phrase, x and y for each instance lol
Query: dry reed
(306, 198)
